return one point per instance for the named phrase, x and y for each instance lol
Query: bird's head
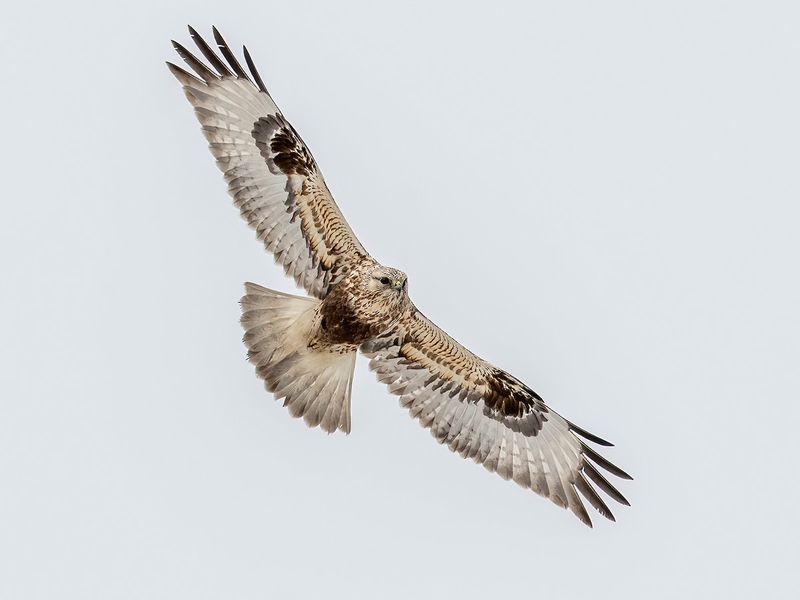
(388, 281)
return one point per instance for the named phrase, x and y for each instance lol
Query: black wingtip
(196, 65)
(253, 71)
(603, 483)
(589, 436)
(585, 488)
(221, 43)
(233, 62)
(604, 463)
(184, 76)
(211, 56)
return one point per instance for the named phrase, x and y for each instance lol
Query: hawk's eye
(385, 280)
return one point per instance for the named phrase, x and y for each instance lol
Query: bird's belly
(341, 325)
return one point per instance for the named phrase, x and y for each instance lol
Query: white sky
(601, 198)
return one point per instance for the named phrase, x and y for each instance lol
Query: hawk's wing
(271, 174)
(488, 415)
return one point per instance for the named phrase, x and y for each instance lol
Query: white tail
(315, 382)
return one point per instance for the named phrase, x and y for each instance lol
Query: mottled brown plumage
(360, 307)
(304, 347)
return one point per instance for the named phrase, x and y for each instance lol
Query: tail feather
(315, 383)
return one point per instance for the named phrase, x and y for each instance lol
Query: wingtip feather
(588, 435)
(253, 71)
(233, 62)
(604, 463)
(184, 77)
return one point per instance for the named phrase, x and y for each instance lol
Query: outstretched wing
(488, 415)
(271, 174)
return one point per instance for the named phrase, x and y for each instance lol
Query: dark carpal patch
(510, 397)
(281, 146)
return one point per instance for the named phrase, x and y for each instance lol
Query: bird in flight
(304, 348)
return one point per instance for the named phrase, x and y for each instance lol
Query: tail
(314, 382)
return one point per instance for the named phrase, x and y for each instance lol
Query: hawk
(304, 348)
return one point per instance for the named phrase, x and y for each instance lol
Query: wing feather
(271, 174)
(486, 414)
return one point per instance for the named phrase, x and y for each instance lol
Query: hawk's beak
(398, 285)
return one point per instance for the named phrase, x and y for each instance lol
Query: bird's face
(388, 282)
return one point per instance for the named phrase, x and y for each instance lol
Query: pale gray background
(599, 197)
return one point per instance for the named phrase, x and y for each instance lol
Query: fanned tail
(314, 382)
